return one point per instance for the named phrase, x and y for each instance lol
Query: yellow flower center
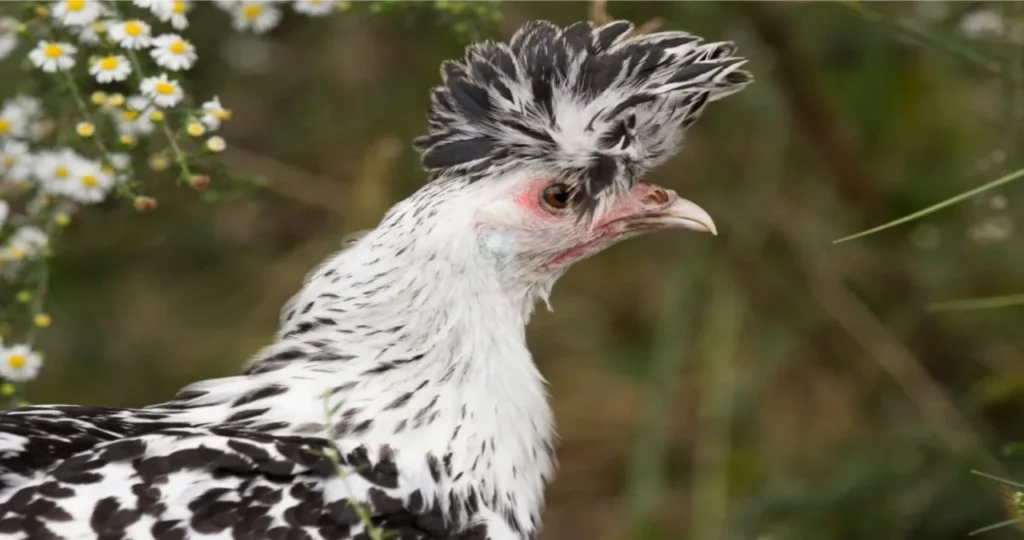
(133, 28)
(16, 254)
(177, 47)
(9, 161)
(130, 115)
(179, 6)
(52, 50)
(165, 88)
(5, 126)
(222, 114)
(252, 11)
(109, 62)
(16, 361)
(76, 5)
(85, 129)
(61, 172)
(89, 180)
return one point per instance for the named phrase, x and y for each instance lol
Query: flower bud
(144, 204)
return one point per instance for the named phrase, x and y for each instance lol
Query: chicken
(399, 395)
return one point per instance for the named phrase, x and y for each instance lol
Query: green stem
(70, 81)
(334, 454)
(38, 301)
(180, 158)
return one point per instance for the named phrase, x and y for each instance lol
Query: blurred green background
(765, 384)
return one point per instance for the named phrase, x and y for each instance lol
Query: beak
(650, 208)
(679, 214)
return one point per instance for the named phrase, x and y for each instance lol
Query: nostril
(657, 196)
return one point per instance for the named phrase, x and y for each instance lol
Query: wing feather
(183, 481)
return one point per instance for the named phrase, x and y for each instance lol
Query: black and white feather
(594, 105)
(442, 427)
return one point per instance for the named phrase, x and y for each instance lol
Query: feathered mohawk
(594, 105)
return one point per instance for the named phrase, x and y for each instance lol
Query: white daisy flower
(135, 119)
(110, 68)
(16, 164)
(21, 173)
(21, 116)
(174, 12)
(4, 210)
(133, 34)
(982, 23)
(162, 91)
(30, 107)
(214, 114)
(55, 170)
(19, 363)
(172, 52)
(91, 183)
(13, 122)
(32, 238)
(52, 56)
(11, 154)
(8, 36)
(314, 8)
(26, 243)
(90, 33)
(216, 144)
(258, 17)
(76, 12)
(227, 5)
(120, 161)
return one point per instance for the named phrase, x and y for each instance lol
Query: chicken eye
(556, 196)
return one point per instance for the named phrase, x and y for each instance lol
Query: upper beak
(655, 207)
(680, 214)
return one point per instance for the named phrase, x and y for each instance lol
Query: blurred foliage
(763, 384)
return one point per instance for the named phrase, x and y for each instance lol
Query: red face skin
(646, 208)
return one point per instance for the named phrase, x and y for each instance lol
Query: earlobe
(497, 246)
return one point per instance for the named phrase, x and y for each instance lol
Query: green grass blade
(966, 304)
(648, 468)
(995, 526)
(938, 206)
(1004, 481)
(925, 38)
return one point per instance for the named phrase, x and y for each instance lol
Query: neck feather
(423, 349)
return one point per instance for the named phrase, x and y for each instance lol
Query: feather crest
(596, 106)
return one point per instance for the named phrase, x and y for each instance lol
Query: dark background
(765, 384)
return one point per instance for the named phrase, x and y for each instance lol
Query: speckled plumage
(404, 353)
